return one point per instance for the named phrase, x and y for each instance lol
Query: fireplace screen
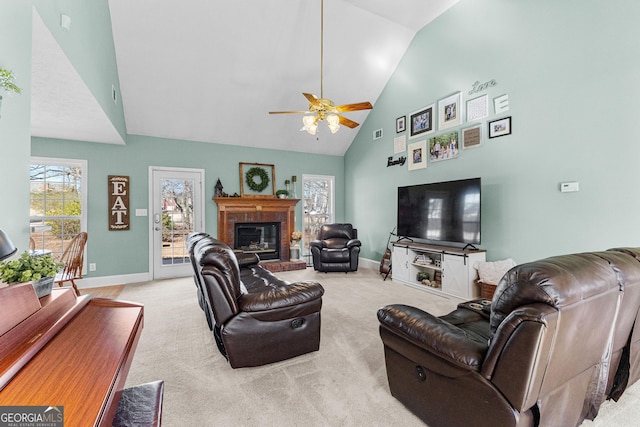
(262, 238)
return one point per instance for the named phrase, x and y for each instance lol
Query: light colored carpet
(343, 384)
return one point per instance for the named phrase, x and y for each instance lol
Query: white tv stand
(442, 270)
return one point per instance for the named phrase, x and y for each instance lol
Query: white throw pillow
(492, 272)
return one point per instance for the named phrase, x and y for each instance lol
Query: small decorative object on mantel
(287, 186)
(217, 192)
(282, 194)
(294, 192)
(257, 177)
(118, 202)
(40, 270)
(401, 161)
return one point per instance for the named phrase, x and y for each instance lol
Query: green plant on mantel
(7, 78)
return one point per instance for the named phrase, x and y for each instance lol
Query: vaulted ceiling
(211, 70)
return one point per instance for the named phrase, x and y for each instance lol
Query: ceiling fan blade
(311, 98)
(354, 107)
(289, 112)
(348, 123)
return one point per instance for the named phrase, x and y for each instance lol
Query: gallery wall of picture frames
(437, 131)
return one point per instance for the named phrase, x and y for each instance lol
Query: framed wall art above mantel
(257, 180)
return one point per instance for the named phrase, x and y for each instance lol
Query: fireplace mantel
(251, 209)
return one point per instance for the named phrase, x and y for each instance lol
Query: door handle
(156, 218)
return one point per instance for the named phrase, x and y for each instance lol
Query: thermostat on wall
(567, 187)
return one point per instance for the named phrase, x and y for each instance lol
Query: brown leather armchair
(257, 318)
(556, 340)
(336, 249)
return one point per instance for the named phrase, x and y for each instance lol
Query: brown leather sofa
(337, 248)
(256, 317)
(556, 340)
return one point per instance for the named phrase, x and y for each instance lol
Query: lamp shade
(7, 247)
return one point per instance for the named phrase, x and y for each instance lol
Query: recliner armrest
(434, 335)
(317, 243)
(247, 259)
(280, 296)
(353, 242)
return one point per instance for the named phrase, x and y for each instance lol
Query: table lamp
(6, 246)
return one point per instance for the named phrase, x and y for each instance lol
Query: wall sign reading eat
(118, 202)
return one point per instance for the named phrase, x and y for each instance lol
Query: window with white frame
(57, 189)
(318, 202)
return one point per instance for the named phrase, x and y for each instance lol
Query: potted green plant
(7, 82)
(282, 194)
(7, 78)
(39, 270)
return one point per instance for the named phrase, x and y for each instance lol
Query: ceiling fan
(322, 108)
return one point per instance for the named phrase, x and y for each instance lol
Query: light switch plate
(141, 212)
(568, 187)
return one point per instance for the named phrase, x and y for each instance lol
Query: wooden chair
(72, 258)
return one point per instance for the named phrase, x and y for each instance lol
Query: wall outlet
(92, 266)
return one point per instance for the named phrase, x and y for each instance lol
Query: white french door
(177, 209)
(318, 202)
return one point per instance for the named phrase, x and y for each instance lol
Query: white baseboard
(123, 279)
(369, 263)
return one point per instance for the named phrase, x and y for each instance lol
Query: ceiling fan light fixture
(310, 124)
(333, 122)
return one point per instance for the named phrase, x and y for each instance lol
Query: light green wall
(15, 55)
(126, 252)
(90, 48)
(571, 71)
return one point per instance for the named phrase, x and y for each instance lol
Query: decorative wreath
(250, 178)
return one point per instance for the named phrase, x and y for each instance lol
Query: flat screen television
(440, 212)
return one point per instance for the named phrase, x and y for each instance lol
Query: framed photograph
(450, 111)
(500, 127)
(257, 180)
(472, 136)
(417, 154)
(477, 108)
(401, 124)
(444, 147)
(421, 122)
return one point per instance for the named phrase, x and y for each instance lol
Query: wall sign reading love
(118, 202)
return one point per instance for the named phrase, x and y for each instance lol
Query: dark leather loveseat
(256, 318)
(337, 248)
(557, 339)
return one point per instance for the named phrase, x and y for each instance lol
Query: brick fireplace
(232, 210)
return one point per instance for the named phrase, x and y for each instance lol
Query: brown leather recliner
(547, 351)
(257, 317)
(336, 249)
